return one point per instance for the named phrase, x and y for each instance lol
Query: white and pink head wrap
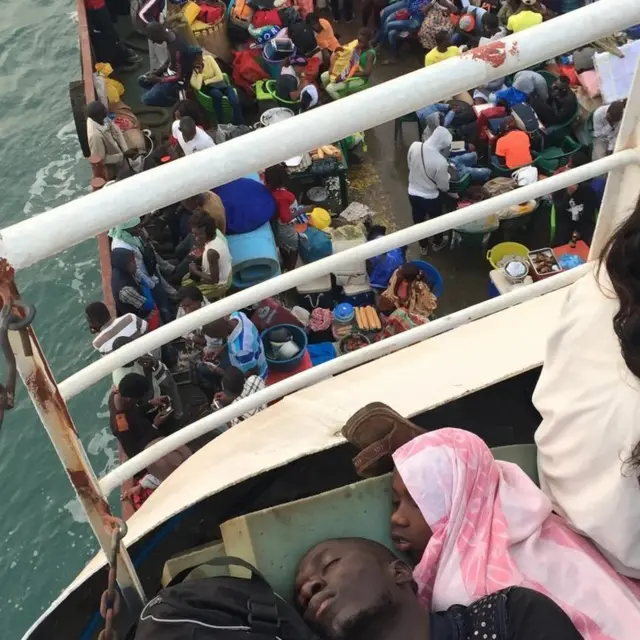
(492, 528)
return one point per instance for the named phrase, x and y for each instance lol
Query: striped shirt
(127, 326)
(245, 346)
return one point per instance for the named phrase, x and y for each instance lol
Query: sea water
(44, 540)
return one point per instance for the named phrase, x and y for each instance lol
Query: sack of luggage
(525, 117)
(314, 245)
(221, 608)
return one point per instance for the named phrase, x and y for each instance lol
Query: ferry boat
(282, 471)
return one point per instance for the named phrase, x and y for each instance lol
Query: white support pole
(316, 374)
(45, 235)
(622, 192)
(84, 378)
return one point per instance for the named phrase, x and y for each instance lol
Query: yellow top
(438, 56)
(523, 20)
(210, 73)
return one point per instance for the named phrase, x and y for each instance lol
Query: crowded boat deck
(287, 318)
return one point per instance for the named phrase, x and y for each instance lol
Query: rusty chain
(10, 321)
(110, 600)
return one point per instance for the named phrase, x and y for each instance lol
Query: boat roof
(413, 380)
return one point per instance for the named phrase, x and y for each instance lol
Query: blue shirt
(245, 347)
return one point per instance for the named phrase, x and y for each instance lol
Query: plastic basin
(300, 338)
(495, 254)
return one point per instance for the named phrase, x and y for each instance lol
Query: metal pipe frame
(54, 415)
(94, 372)
(316, 374)
(45, 235)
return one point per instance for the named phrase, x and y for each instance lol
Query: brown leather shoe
(377, 430)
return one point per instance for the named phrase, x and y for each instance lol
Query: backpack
(220, 608)
(246, 70)
(314, 245)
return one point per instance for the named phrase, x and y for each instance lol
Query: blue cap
(344, 312)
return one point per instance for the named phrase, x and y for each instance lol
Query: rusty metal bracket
(15, 315)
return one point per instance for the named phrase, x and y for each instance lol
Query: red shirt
(284, 202)
(94, 5)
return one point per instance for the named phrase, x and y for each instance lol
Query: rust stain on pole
(494, 53)
(48, 397)
(86, 489)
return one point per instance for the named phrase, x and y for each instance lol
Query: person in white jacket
(428, 180)
(105, 139)
(589, 398)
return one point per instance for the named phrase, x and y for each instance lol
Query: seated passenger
(106, 140)
(244, 345)
(163, 84)
(474, 525)
(444, 49)
(135, 420)
(360, 67)
(589, 398)
(529, 14)
(130, 293)
(190, 137)
(606, 125)
(213, 276)
(354, 588)
(477, 25)
(396, 18)
(107, 329)
(235, 387)
(513, 148)
(208, 78)
(408, 290)
(209, 203)
(132, 236)
(325, 38)
(561, 105)
(465, 164)
(436, 19)
(531, 83)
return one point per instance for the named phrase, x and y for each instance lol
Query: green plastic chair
(499, 170)
(552, 158)
(549, 77)
(206, 102)
(556, 133)
(410, 117)
(269, 88)
(458, 186)
(350, 85)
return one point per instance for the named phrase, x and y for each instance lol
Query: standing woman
(589, 398)
(428, 180)
(130, 292)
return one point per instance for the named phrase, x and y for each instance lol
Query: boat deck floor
(380, 181)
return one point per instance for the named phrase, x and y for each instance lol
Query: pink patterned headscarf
(492, 528)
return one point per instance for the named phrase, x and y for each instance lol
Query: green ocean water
(44, 541)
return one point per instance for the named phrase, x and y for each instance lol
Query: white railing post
(56, 419)
(623, 184)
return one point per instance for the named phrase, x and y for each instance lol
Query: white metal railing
(30, 240)
(86, 377)
(311, 376)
